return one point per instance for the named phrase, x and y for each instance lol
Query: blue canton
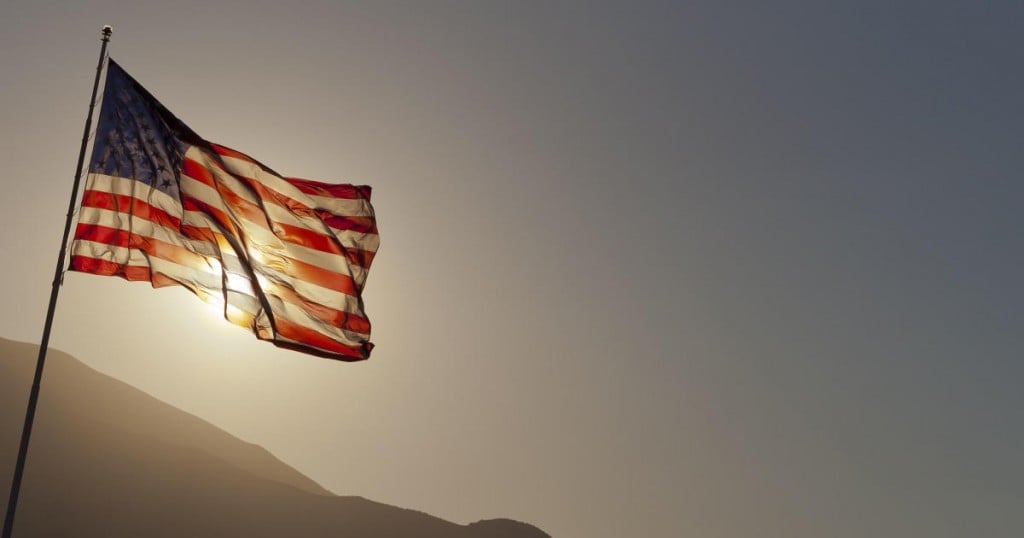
(136, 137)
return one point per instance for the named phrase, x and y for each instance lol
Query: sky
(708, 269)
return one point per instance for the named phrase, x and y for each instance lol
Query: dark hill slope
(108, 460)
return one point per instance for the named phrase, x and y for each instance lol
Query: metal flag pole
(33, 397)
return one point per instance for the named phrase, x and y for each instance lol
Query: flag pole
(33, 397)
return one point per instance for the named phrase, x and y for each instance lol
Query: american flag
(285, 257)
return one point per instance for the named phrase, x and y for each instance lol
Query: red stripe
(320, 276)
(232, 200)
(362, 258)
(286, 232)
(134, 273)
(152, 247)
(335, 318)
(103, 234)
(201, 173)
(294, 234)
(228, 152)
(366, 225)
(246, 209)
(323, 243)
(85, 264)
(161, 280)
(220, 217)
(309, 337)
(303, 236)
(198, 172)
(331, 190)
(130, 205)
(307, 236)
(268, 194)
(204, 233)
(308, 186)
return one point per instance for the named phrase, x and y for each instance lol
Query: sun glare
(215, 305)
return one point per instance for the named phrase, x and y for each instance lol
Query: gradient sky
(708, 269)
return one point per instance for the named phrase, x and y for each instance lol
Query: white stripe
(347, 238)
(343, 207)
(220, 176)
(145, 228)
(207, 284)
(206, 281)
(311, 292)
(246, 303)
(202, 192)
(274, 212)
(199, 219)
(295, 314)
(352, 239)
(287, 340)
(337, 206)
(268, 243)
(206, 251)
(135, 189)
(266, 248)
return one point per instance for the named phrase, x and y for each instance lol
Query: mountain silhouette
(108, 460)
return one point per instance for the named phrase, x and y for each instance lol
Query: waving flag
(285, 257)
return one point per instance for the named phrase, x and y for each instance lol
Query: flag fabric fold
(285, 257)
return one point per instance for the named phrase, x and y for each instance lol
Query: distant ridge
(108, 460)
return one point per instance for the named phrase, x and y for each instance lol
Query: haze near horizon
(661, 269)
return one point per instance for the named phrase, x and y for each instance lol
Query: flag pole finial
(107, 30)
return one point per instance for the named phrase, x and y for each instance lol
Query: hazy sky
(708, 269)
